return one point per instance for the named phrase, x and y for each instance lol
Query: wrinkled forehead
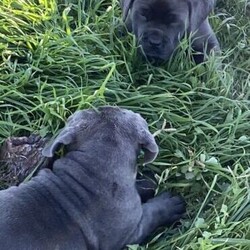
(108, 113)
(162, 7)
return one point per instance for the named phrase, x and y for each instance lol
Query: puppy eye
(145, 16)
(170, 18)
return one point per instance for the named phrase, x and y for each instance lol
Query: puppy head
(109, 121)
(159, 24)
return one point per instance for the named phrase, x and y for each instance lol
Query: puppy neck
(102, 156)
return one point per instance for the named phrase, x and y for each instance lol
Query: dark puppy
(160, 24)
(89, 199)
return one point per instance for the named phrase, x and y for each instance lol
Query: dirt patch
(20, 158)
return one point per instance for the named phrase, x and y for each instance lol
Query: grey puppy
(89, 199)
(160, 24)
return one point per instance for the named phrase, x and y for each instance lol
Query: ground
(61, 56)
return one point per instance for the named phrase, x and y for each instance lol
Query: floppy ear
(126, 5)
(149, 146)
(65, 137)
(198, 12)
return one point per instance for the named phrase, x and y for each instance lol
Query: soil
(20, 158)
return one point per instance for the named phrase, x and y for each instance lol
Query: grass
(61, 56)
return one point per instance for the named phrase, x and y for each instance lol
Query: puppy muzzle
(155, 46)
(153, 38)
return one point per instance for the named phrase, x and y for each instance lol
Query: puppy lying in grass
(160, 24)
(89, 199)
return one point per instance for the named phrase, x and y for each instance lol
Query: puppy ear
(149, 146)
(198, 12)
(65, 137)
(126, 5)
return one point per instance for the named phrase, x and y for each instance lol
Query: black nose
(154, 38)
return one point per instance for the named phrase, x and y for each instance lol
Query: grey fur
(159, 25)
(89, 199)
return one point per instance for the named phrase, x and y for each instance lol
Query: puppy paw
(172, 208)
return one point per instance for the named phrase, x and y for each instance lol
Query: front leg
(162, 210)
(146, 185)
(204, 41)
